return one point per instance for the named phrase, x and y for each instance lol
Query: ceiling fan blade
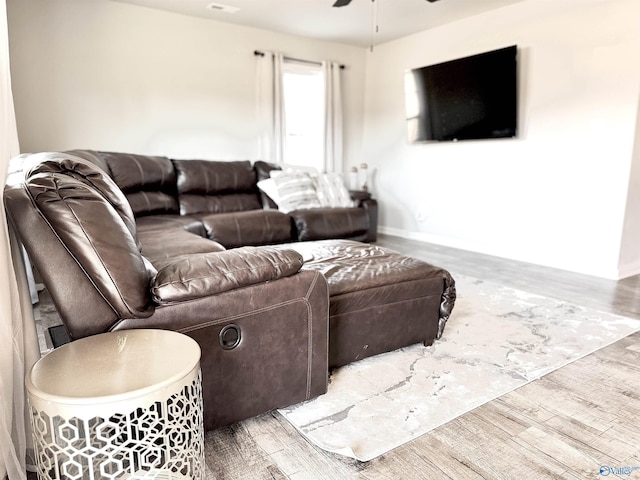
(341, 3)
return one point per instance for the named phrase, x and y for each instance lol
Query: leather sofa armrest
(371, 206)
(363, 199)
(325, 223)
(193, 276)
(359, 196)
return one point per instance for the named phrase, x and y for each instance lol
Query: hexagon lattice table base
(163, 441)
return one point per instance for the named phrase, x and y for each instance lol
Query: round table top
(113, 366)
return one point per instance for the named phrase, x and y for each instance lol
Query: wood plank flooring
(566, 425)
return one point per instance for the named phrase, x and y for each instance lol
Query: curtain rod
(258, 53)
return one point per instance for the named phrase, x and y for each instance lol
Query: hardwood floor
(567, 425)
(621, 297)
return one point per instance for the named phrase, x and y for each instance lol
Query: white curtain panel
(270, 99)
(333, 118)
(17, 327)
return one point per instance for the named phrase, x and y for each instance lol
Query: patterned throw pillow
(331, 190)
(295, 191)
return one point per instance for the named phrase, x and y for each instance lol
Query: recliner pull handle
(230, 337)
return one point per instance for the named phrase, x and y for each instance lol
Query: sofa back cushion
(92, 220)
(207, 186)
(149, 183)
(91, 156)
(263, 172)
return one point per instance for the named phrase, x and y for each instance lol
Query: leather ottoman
(379, 300)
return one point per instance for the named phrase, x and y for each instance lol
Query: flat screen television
(468, 98)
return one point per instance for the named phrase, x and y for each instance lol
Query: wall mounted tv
(469, 98)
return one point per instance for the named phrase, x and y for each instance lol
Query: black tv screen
(469, 98)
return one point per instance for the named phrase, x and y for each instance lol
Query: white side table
(125, 404)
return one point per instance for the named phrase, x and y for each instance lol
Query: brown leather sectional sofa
(129, 241)
(220, 200)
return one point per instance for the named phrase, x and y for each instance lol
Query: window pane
(304, 113)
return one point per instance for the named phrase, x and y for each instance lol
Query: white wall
(556, 195)
(107, 75)
(630, 245)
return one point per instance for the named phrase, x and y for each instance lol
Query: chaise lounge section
(379, 300)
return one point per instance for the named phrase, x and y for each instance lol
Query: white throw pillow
(295, 191)
(269, 187)
(331, 190)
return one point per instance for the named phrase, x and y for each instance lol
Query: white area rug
(496, 340)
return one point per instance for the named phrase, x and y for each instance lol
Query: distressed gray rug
(496, 340)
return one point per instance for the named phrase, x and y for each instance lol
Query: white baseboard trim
(629, 270)
(621, 272)
(436, 240)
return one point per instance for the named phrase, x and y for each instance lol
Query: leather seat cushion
(351, 266)
(158, 245)
(190, 223)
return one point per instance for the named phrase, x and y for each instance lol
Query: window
(303, 87)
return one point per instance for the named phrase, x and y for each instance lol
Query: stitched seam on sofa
(69, 251)
(266, 309)
(266, 229)
(162, 178)
(327, 305)
(146, 199)
(93, 181)
(102, 262)
(206, 177)
(310, 334)
(371, 288)
(376, 289)
(400, 302)
(238, 231)
(242, 315)
(312, 286)
(140, 169)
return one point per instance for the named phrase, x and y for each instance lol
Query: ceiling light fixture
(344, 3)
(218, 7)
